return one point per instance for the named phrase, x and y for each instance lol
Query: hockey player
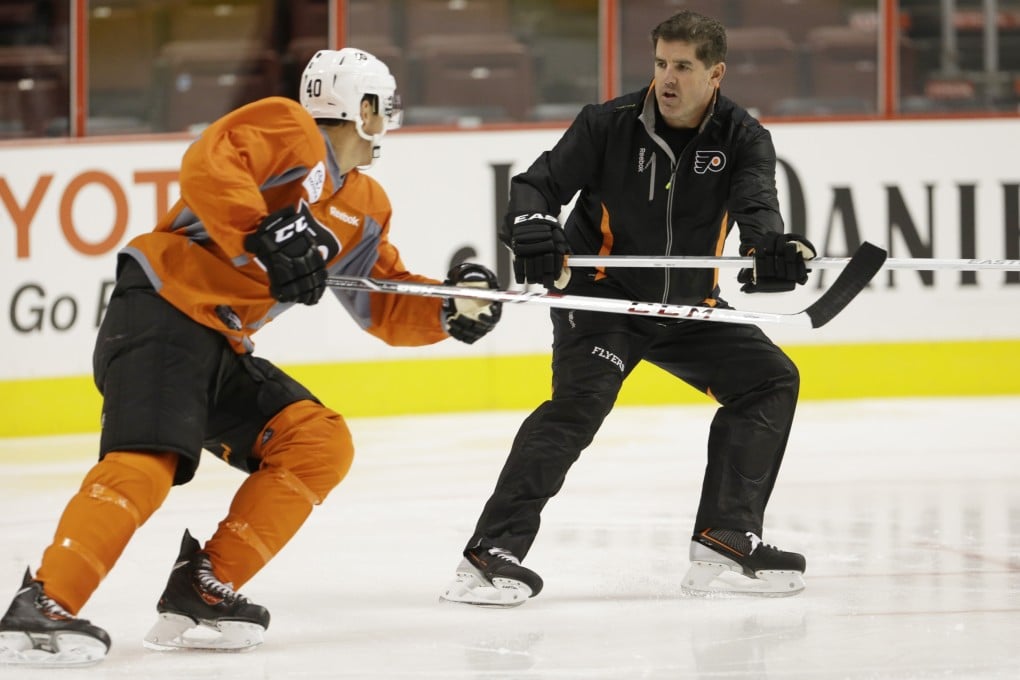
(667, 170)
(272, 201)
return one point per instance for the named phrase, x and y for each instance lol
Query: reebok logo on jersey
(641, 159)
(709, 161)
(314, 181)
(342, 216)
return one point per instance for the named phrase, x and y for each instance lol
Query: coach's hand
(539, 246)
(779, 263)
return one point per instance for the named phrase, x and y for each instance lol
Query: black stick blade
(861, 268)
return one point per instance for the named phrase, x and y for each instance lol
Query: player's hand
(539, 247)
(466, 319)
(779, 263)
(286, 248)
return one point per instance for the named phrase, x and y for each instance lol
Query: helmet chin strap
(376, 141)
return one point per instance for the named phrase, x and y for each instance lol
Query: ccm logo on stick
(666, 310)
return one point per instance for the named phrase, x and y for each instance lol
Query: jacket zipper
(669, 227)
(670, 187)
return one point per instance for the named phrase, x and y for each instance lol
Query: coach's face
(684, 86)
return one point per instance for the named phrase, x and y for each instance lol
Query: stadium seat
(201, 81)
(796, 17)
(477, 70)
(122, 51)
(842, 66)
(762, 68)
(34, 96)
(463, 55)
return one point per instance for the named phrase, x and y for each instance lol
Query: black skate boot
(763, 569)
(198, 611)
(38, 631)
(492, 577)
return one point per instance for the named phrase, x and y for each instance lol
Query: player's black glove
(779, 263)
(466, 319)
(539, 246)
(285, 246)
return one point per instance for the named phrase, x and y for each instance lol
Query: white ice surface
(908, 512)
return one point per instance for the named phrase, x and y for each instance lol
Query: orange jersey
(254, 161)
(358, 213)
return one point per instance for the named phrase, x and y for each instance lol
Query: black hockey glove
(539, 246)
(466, 319)
(779, 263)
(285, 246)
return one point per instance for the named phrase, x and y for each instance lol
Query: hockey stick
(695, 262)
(861, 268)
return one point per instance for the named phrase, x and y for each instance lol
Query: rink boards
(68, 207)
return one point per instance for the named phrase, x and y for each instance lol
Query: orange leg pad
(116, 497)
(308, 454)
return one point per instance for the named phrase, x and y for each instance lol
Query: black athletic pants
(755, 383)
(171, 384)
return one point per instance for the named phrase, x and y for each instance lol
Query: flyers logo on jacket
(709, 160)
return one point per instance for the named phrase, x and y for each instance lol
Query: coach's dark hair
(707, 35)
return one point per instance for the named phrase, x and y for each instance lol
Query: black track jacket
(636, 198)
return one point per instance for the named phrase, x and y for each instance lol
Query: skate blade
(470, 587)
(715, 579)
(173, 632)
(50, 650)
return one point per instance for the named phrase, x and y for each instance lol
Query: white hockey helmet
(335, 82)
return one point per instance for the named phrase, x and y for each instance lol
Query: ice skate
(735, 562)
(36, 631)
(198, 611)
(492, 577)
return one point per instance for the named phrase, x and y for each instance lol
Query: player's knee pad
(137, 483)
(312, 444)
(116, 497)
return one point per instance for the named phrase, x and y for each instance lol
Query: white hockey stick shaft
(695, 262)
(863, 266)
(581, 302)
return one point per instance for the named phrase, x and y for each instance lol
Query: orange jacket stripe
(719, 244)
(607, 242)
